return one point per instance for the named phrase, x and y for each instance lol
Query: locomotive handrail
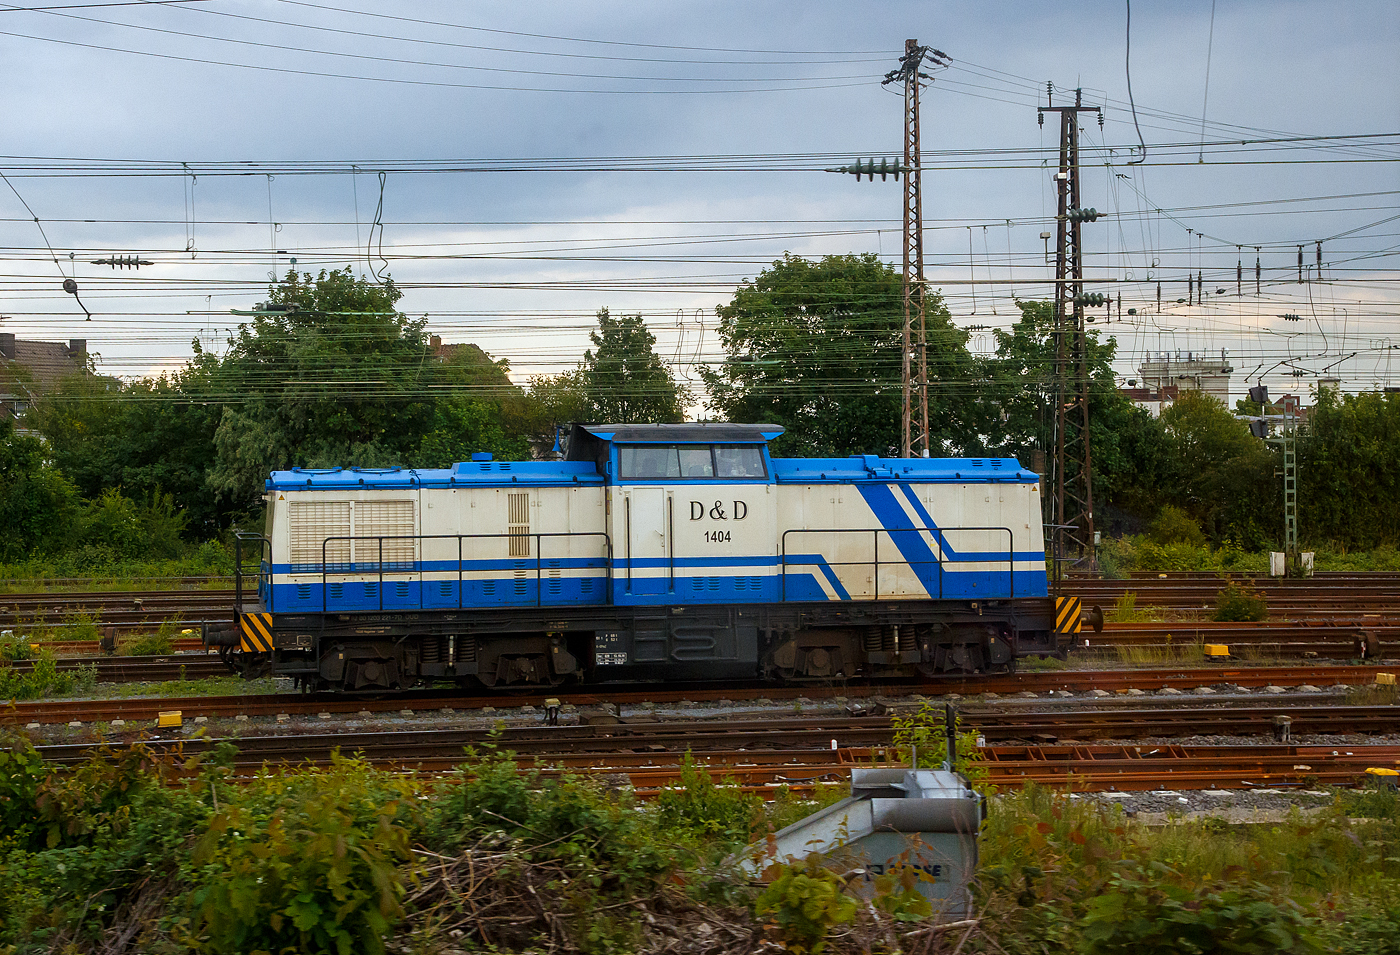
(264, 567)
(607, 559)
(939, 561)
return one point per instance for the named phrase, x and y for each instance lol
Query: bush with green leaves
(923, 734)
(304, 860)
(803, 903)
(43, 678)
(1238, 603)
(700, 810)
(1152, 910)
(1172, 525)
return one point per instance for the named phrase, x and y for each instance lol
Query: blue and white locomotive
(656, 552)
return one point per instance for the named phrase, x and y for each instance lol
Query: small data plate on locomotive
(610, 659)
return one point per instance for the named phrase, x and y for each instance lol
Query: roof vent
(481, 455)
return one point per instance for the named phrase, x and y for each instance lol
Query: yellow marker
(1385, 679)
(1217, 650)
(1378, 771)
(170, 718)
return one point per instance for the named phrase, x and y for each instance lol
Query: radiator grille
(310, 523)
(387, 519)
(518, 526)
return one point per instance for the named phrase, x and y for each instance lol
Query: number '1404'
(717, 537)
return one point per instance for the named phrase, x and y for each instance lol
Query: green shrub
(22, 772)
(1238, 603)
(1172, 525)
(43, 678)
(803, 903)
(923, 732)
(305, 861)
(701, 811)
(1150, 910)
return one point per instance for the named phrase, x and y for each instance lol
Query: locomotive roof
(871, 468)
(690, 431)
(465, 474)
(857, 469)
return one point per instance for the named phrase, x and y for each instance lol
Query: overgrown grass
(1063, 875)
(230, 685)
(42, 678)
(1183, 654)
(1126, 610)
(152, 644)
(1120, 558)
(96, 569)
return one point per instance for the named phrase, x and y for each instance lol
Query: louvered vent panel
(518, 526)
(392, 520)
(309, 524)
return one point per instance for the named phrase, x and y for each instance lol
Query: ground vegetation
(132, 851)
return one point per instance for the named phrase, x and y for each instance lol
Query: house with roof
(29, 370)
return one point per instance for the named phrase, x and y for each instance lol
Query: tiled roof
(37, 367)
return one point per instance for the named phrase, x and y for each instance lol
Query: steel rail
(1070, 681)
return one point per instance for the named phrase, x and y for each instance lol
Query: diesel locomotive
(649, 552)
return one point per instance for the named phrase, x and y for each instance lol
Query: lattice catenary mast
(1072, 465)
(915, 342)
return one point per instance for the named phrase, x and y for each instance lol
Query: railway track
(1040, 684)
(1288, 599)
(763, 757)
(142, 669)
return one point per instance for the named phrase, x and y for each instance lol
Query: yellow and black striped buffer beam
(257, 632)
(1067, 615)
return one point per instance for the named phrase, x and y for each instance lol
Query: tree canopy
(35, 498)
(624, 379)
(328, 374)
(816, 347)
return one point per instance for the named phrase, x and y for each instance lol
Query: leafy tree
(624, 379)
(817, 347)
(1217, 472)
(555, 402)
(1018, 413)
(481, 410)
(1348, 488)
(36, 501)
(329, 374)
(149, 437)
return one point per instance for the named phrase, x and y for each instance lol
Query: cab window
(739, 461)
(691, 462)
(695, 461)
(648, 462)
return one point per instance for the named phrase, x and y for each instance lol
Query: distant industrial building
(31, 369)
(1164, 376)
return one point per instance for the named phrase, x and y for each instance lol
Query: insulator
(1092, 299)
(1082, 215)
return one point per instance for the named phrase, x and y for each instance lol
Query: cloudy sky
(542, 161)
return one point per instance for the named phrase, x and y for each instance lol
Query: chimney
(436, 341)
(7, 345)
(77, 347)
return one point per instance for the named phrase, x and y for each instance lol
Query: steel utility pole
(914, 363)
(1072, 478)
